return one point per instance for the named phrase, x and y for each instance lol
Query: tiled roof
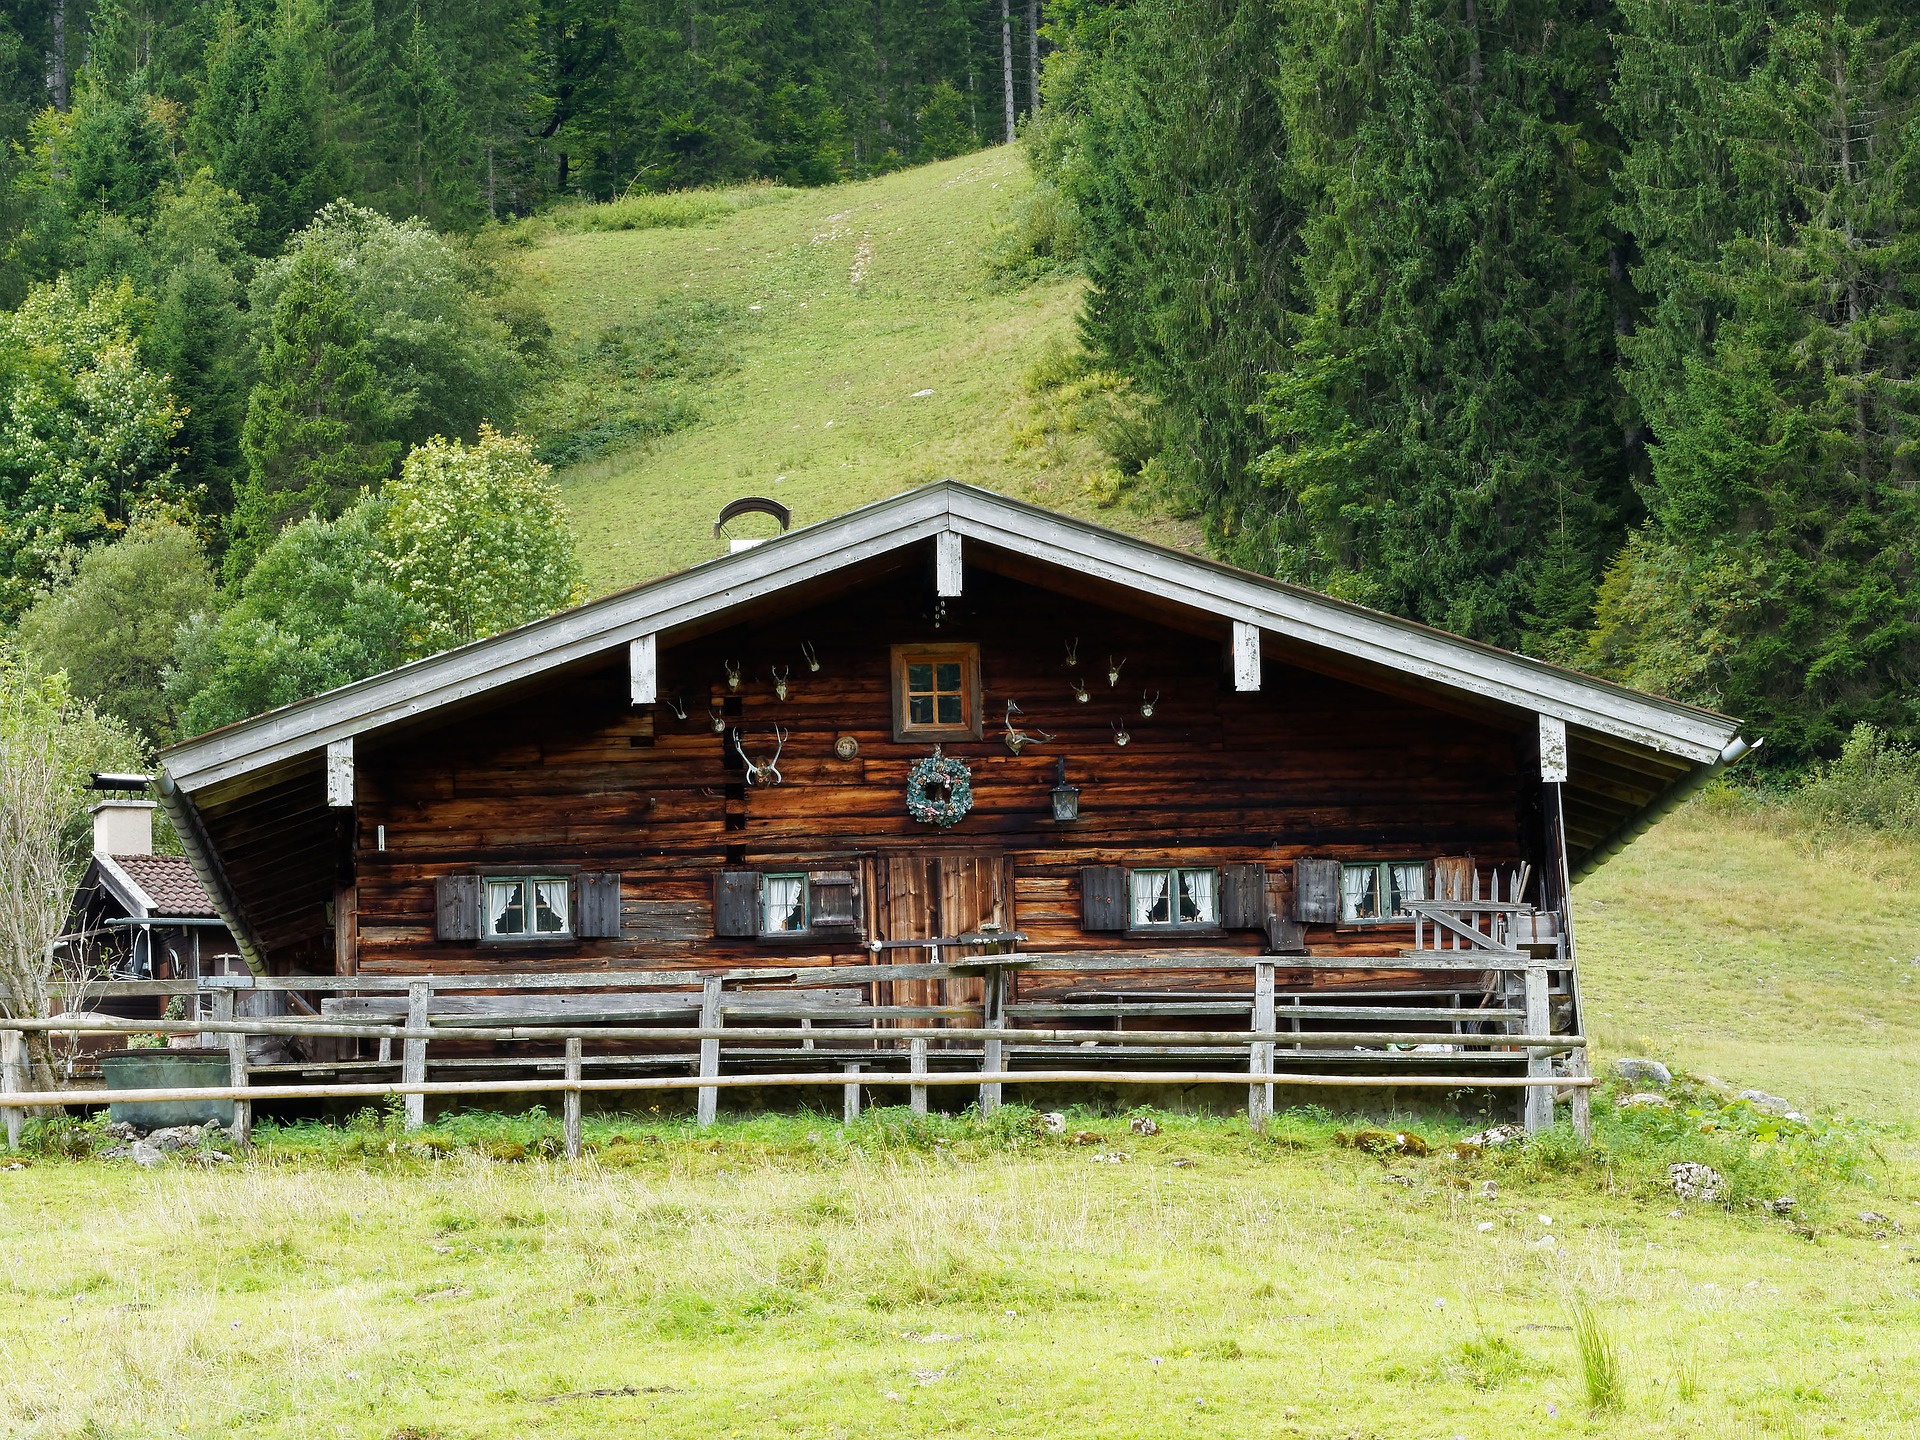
(170, 883)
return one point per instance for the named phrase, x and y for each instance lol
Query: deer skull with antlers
(1018, 739)
(767, 771)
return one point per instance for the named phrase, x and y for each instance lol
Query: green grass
(1731, 941)
(832, 309)
(786, 1276)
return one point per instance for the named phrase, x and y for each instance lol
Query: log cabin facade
(711, 772)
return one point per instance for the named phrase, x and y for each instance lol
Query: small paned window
(1172, 897)
(1381, 890)
(783, 904)
(523, 906)
(936, 692)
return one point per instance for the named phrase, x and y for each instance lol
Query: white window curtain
(506, 908)
(1409, 883)
(786, 904)
(550, 907)
(1196, 897)
(1150, 897)
(1359, 892)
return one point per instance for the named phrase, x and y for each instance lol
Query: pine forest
(1581, 327)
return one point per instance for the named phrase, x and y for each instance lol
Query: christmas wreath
(952, 786)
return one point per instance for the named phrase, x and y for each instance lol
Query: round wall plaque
(846, 747)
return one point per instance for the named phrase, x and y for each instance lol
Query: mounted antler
(733, 675)
(1073, 652)
(780, 673)
(678, 704)
(812, 659)
(759, 771)
(1018, 739)
(719, 722)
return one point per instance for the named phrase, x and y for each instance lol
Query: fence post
(993, 1016)
(709, 1104)
(237, 1078)
(413, 1054)
(850, 1092)
(917, 1063)
(1539, 1105)
(1260, 1052)
(570, 1108)
(11, 1044)
(1581, 1101)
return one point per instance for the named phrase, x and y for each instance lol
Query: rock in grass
(1785, 1205)
(1644, 1098)
(1141, 1125)
(144, 1155)
(1054, 1123)
(1491, 1139)
(1761, 1100)
(175, 1137)
(1643, 1072)
(1693, 1181)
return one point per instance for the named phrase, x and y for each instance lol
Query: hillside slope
(858, 344)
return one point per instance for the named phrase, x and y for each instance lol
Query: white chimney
(123, 827)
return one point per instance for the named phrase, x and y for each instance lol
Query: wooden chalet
(1167, 769)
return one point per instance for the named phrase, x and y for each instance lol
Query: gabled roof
(145, 886)
(1359, 637)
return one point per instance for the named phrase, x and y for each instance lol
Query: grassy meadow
(823, 347)
(788, 1276)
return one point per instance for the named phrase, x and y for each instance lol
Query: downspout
(1662, 805)
(200, 853)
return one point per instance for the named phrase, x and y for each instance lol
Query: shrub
(1874, 784)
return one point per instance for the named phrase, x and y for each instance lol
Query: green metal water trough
(167, 1070)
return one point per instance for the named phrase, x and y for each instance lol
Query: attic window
(936, 692)
(523, 906)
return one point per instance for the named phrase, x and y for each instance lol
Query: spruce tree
(312, 438)
(1770, 185)
(1447, 441)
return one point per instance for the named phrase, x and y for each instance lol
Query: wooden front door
(928, 896)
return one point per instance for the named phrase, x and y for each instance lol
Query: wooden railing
(826, 1034)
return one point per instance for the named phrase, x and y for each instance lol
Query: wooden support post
(1539, 1102)
(946, 564)
(1581, 1101)
(709, 1103)
(413, 1053)
(12, 1049)
(1260, 1092)
(570, 1107)
(237, 1078)
(850, 1092)
(917, 1063)
(993, 1016)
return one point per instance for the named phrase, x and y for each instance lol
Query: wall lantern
(1066, 798)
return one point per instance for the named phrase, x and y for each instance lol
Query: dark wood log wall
(576, 778)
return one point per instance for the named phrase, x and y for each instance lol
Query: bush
(1874, 784)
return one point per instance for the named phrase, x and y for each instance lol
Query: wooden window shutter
(736, 902)
(596, 905)
(1243, 897)
(456, 907)
(1103, 897)
(833, 900)
(1316, 891)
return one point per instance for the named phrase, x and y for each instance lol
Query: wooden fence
(825, 1038)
